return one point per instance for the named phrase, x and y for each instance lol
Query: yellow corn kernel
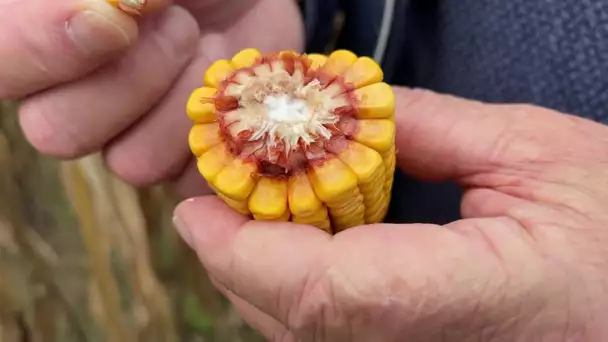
(363, 72)
(390, 162)
(245, 58)
(218, 72)
(333, 180)
(212, 162)
(375, 199)
(369, 167)
(348, 206)
(240, 206)
(269, 198)
(317, 217)
(236, 180)
(301, 197)
(202, 137)
(363, 161)
(282, 218)
(378, 134)
(197, 109)
(377, 215)
(375, 101)
(339, 61)
(317, 60)
(351, 215)
(325, 225)
(337, 185)
(291, 52)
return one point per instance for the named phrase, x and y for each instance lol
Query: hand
(528, 262)
(92, 79)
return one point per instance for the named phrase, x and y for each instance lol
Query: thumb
(49, 42)
(443, 137)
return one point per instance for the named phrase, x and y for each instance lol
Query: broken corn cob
(302, 138)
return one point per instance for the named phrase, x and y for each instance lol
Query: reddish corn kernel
(226, 103)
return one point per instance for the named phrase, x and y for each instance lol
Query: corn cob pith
(302, 138)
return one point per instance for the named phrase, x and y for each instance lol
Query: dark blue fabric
(552, 53)
(361, 33)
(318, 17)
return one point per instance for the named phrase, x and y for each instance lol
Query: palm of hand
(527, 261)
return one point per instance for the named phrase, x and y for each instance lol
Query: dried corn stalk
(302, 138)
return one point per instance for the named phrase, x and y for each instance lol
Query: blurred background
(85, 257)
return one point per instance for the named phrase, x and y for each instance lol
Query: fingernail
(100, 31)
(182, 230)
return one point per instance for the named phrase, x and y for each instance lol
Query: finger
(141, 7)
(190, 183)
(445, 137)
(156, 148)
(484, 202)
(266, 264)
(301, 276)
(139, 156)
(82, 116)
(269, 327)
(69, 39)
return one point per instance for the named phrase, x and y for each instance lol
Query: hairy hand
(94, 79)
(528, 262)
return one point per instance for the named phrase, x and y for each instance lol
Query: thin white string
(385, 30)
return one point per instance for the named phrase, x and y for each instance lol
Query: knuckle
(178, 34)
(47, 132)
(411, 99)
(322, 306)
(307, 317)
(140, 165)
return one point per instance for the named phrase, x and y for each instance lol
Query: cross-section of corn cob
(302, 138)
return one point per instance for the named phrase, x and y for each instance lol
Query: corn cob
(133, 7)
(302, 138)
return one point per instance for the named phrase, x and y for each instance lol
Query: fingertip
(207, 223)
(99, 31)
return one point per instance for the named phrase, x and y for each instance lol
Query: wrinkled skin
(528, 262)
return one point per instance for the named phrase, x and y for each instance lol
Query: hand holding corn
(527, 262)
(109, 76)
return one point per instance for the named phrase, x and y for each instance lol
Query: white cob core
(283, 109)
(279, 109)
